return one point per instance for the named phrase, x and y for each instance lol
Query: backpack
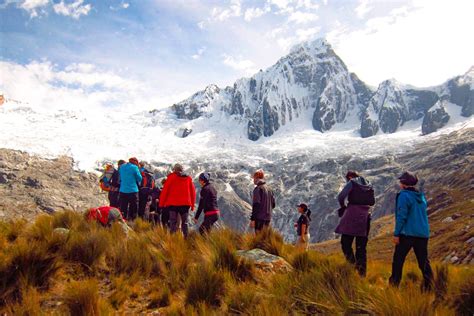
(104, 180)
(148, 181)
(362, 194)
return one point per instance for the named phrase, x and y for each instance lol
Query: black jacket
(207, 200)
(263, 202)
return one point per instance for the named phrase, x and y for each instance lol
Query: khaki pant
(303, 244)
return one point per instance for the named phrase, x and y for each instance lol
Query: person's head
(258, 175)
(351, 175)
(142, 164)
(204, 178)
(407, 180)
(302, 208)
(178, 168)
(120, 162)
(133, 161)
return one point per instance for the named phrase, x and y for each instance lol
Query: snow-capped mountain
(313, 84)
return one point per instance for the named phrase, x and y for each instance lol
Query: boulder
(434, 119)
(265, 261)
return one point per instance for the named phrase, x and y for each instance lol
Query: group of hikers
(133, 193)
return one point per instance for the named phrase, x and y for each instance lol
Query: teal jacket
(411, 216)
(130, 178)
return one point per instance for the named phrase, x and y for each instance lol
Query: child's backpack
(104, 180)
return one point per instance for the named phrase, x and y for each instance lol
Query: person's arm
(193, 193)
(273, 200)
(201, 204)
(138, 176)
(401, 214)
(256, 201)
(164, 193)
(344, 194)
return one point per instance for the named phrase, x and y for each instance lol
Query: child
(302, 227)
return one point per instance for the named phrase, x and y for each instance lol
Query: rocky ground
(30, 185)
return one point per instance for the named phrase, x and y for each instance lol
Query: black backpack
(362, 194)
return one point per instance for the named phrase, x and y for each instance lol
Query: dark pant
(260, 225)
(206, 226)
(129, 205)
(114, 199)
(182, 212)
(142, 201)
(165, 217)
(360, 258)
(420, 246)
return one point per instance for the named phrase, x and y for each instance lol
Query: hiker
(355, 219)
(106, 216)
(164, 211)
(302, 227)
(412, 230)
(207, 203)
(130, 179)
(114, 195)
(178, 195)
(105, 178)
(146, 186)
(154, 208)
(263, 202)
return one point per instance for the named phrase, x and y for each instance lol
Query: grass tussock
(151, 270)
(205, 285)
(269, 240)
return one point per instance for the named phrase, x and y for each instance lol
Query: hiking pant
(142, 201)
(420, 246)
(303, 245)
(129, 205)
(182, 212)
(360, 258)
(114, 199)
(165, 217)
(261, 224)
(209, 221)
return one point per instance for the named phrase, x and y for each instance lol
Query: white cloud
(308, 4)
(363, 8)
(125, 5)
(300, 17)
(422, 47)
(33, 6)
(240, 64)
(252, 13)
(223, 14)
(199, 53)
(74, 9)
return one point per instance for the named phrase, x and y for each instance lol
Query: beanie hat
(351, 174)
(408, 178)
(133, 160)
(205, 176)
(259, 174)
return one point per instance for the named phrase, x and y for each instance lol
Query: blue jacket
(130, 178)
(411, 216)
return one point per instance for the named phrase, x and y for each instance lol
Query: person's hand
(195, 220)
(303, 238)
(396, 240)
(252, 224)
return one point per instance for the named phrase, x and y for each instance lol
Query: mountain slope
(312, 83)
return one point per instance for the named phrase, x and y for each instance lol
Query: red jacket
(178, 190)
(100, 214)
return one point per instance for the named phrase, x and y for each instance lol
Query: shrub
(12, 229)
(243, 298)
(29, 305)
(303, 262)
(86, 248)
(225, 258)
(82, 298)
(27, 264)
(463, 300)
(268, 240)
(160, 299)
(205, 285)
(441, 282)
(67, 219)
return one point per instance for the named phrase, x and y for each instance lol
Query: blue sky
(159, 52)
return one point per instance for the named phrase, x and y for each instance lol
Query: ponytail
(308, 213)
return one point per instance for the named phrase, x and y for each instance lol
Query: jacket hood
(361, 181)
(414, 194)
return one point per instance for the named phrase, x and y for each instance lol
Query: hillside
(60, 264)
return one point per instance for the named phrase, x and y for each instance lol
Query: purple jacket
(355, 221)
(263, 202)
